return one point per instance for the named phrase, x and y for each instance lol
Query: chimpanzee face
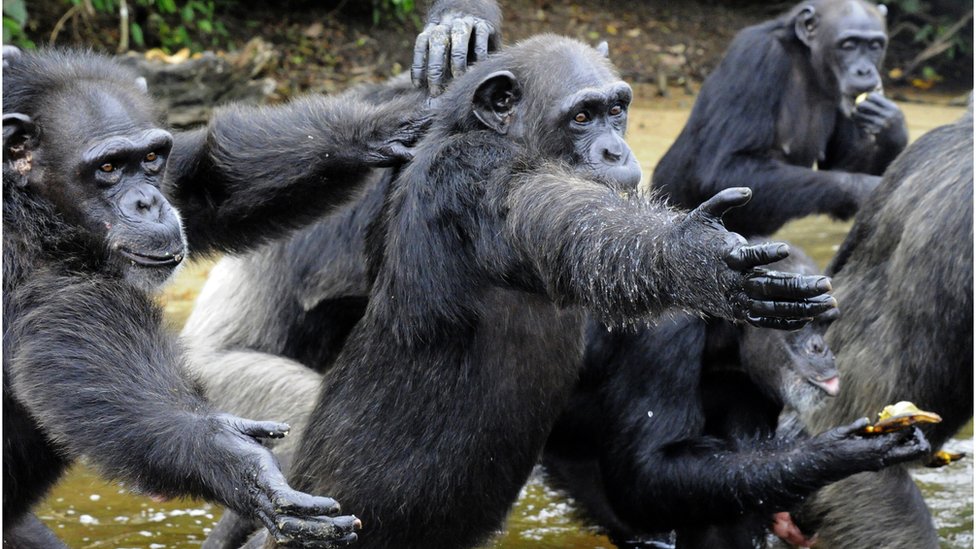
(595, 120)
(797, 367)
(98, 157)
(576, 110)
(847, 41)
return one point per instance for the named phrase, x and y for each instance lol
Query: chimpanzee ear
(806, 24)
(883, 10)
(495, 99)
(19, 135)
(604, 49)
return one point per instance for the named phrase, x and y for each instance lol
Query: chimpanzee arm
(783, 192)
(627, 258)
(91, 364)
(868, 141)
(661, 472)
(254, 173)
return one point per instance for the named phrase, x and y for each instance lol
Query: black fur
(905, 278)
(774, 107)
(88, 370)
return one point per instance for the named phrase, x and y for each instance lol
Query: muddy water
(87, 512)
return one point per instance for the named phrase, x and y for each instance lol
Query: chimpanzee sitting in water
(89, 233)
(783, 99)
(489, 246)
(671, 427)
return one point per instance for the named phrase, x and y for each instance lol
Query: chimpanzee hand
(399, 124)
(443, 45)
(294, 519)
(847, 445)
(763, 298)
(879, 116)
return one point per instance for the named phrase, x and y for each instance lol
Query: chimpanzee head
(847, 41)
(797, 368)
(560, 99)
(81, 133)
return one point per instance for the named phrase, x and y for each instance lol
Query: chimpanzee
(783, 99)
(491, 243)
(910, 249)
(671, 427)
(89, 232)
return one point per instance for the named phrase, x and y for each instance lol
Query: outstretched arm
(784, 192)
(113, 389)
(663, 473)
(254, 173)
(628, 258)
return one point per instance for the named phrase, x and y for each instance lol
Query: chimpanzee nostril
(612, 157)
(144, 203)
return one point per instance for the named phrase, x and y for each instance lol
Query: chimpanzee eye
(848, 45)
(616, 110)
(151, 157)
(876, 45)
(581, 118)
(107, 167)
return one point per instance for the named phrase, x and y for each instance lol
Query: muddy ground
(327, 46)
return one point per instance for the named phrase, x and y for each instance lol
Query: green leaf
(16, 10)
(205, 26)
(166, 6)
(136, 31)
(187, 13)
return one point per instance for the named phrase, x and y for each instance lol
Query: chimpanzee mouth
(829, 385)
(148, 260)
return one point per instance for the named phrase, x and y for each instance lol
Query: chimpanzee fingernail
(824, 284)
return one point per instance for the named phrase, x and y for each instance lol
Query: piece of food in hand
(943, 458)
(860, 99)
(900, 415)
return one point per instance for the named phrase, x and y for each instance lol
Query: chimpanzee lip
(167, 259)
(828, 385)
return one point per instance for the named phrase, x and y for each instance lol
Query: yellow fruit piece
(899, 416)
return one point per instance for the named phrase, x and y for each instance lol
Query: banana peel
(898, 416)
(943, 458)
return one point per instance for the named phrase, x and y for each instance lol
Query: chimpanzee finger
(774, 285)
(723, 201)
(785, 324)
(807, 308)
(870, 121)
(911, 445)
(263, 429)
(316, 531)
(293, 502)
(393, 153)
(418, 71)
(436, 59)
(854, 428)
(482, 33)
(460, 39)
(744, 258)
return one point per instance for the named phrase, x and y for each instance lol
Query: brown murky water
(88, 513)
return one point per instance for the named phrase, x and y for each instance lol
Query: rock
(189, 89)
